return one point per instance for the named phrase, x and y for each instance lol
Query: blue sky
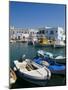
(34, 15)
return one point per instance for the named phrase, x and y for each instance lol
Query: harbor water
(16, 51)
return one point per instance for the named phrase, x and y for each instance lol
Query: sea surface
(17, 50)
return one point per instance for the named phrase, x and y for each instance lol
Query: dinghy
(13, 77)
(54, 67)
(32, 72)
(58, 59)
(44, 53)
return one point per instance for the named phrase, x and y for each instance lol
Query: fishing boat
(54, 67)
(32, 40)
(58, 59)
(13, 77)
(43, 42)
(32, 72)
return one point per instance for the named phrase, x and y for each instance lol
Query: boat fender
(15, 69)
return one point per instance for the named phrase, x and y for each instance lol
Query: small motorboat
(59, 44)
(60, 59)
(43, 42)
(54, 67)
(32, 72)
(12, 77)
(44, 54)
(57, 59)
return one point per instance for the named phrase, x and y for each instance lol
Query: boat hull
(59, 46)
(13, 77)
(55, 68)
(39, 82)
(43, 45)
(60, 72)
(61, 61)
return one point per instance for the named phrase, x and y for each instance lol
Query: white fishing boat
(32, 72)
(13, 77)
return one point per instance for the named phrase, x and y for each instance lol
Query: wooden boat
(32, 40)
(32, 72)
(43, 42)
(13, 77)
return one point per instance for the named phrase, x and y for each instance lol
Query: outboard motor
(22, 58)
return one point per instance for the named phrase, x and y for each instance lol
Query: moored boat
(12, 41)
(13, 77)
(43, 42)
(32, 72)
(58, 59)
(46, 59)
(54, 67)
(59, 44)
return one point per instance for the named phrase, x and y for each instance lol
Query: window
(43, 32)
(56, 31)
(51, 32)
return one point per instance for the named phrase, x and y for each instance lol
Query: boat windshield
(30, 67)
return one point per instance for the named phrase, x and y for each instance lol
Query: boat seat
(29, 67)
(21, 65)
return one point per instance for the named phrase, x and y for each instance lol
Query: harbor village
(46, 36)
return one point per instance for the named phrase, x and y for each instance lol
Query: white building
(20, 34)
(54, 33)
